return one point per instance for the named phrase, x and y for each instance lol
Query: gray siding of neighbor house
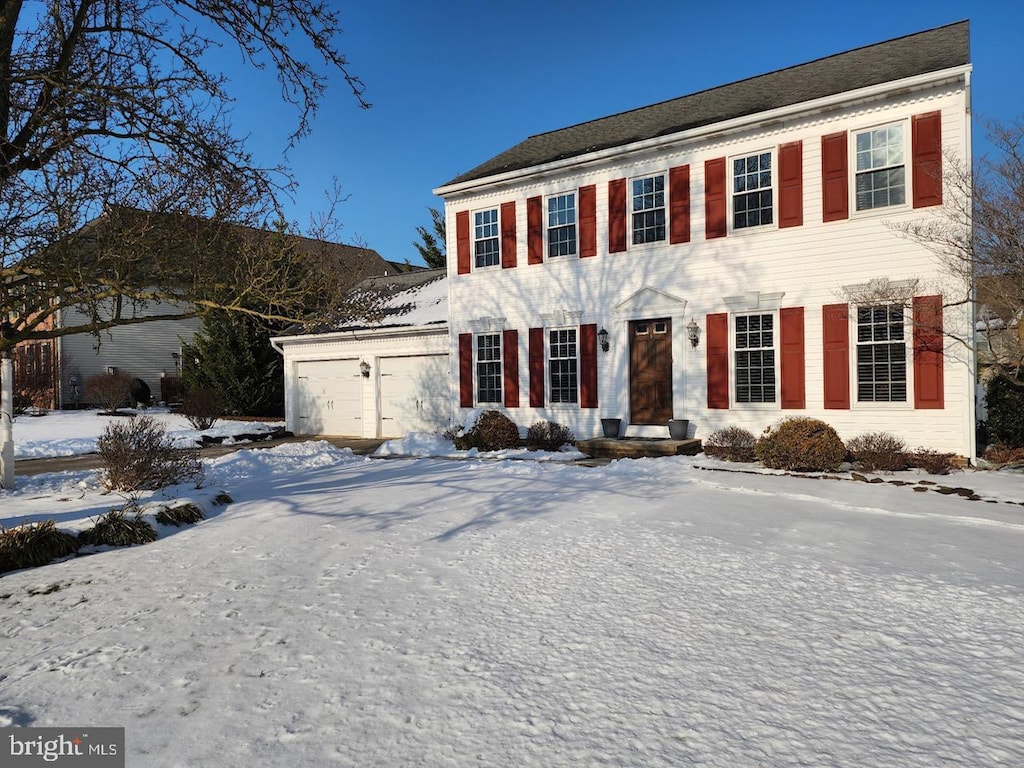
(144, 350)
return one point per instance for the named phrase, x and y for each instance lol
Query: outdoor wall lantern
(602, 339)
(364, 368)
(693, 333)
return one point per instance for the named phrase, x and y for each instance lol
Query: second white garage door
(414, 394)
(328, 397)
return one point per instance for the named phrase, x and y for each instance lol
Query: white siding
(809, 265)
(386, 353)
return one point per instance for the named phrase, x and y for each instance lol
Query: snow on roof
(410, 299)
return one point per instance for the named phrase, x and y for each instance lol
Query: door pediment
(650, 302)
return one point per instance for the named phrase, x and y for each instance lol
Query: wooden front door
(650, 371)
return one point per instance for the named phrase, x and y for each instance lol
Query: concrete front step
(637, 447)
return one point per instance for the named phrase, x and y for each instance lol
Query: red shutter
(835, 186)
(679, 201)
(462, 241)
(534, 231)
(718, 360)
(588, 221)
(508, 235)
(715, 203)
(466, 370)
(588, 366)
(616, 216)
(928, 353)
(835, 320)
(510, 367)
(536, 355)
(926, 140)
(791, 343)
(791, 185)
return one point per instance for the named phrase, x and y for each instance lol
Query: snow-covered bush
(878, 452)
(800, 443)
(730, 444)
(485, 431)
(26, 546)
(548, 436)
(138, 455)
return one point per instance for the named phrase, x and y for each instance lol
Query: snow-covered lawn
(349, 611)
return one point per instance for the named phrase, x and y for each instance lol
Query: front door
(650, 371)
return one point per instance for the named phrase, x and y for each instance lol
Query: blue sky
(454, 82)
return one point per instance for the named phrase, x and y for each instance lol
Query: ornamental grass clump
(730, 444)
(118, 528)
(548, 436)
(34, 544)
(182, 514)
(878, 452)
(800, 444)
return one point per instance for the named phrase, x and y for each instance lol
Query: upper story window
(752, 200)
(488, 368)
(755, 358)
(881, 355)
(881, 172)
(486, 242)
(648, 209)
(563, 367)
(562, 225)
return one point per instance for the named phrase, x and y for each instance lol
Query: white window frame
(772, 189)
(562, 224)
(908, 359)
(481, 234)
(736, 350)
(906, 165)
(575, 364)
(493, 363)
(654, 209)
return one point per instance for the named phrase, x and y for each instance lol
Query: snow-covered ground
(350, 611)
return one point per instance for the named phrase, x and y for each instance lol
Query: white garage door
(414, 395)
(329, 398)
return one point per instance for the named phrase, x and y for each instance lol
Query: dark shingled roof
(930, 51)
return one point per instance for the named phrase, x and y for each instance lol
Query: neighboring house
(725, 257)
(150, 350)
(383, 371)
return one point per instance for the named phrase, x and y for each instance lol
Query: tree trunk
(6, 422)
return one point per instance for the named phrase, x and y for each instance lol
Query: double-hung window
(562, 225)
(881, 170)
(755, 358)
(752, 199)
(563, 366)
(486, 242)
(648, 209)
(488, 368)
(881, 355)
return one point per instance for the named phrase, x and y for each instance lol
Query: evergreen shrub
(1005, 401)
(800, 443)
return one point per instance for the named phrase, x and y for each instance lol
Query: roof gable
(930, 51)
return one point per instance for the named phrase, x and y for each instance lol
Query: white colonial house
(727, 257)
(383, 372)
